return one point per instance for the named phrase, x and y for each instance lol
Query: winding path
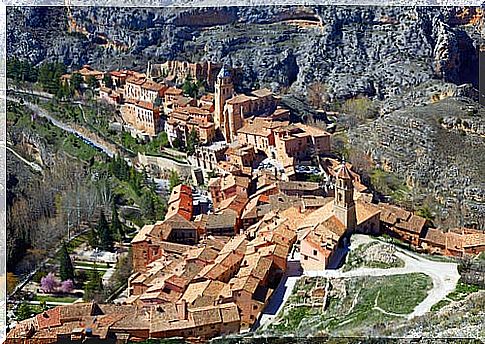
(43, 113)
(31, 164)
(444, 275)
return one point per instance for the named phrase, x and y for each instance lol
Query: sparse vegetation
(354, 305)
(382, 257)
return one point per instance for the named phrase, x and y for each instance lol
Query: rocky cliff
(356, 50)
(419, 64)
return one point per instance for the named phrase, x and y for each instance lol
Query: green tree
(176, 143)
(116, 225)
(92, 82)
(107, 81)
(425, 212)
(148, 206)
(66, 269)
(76, 81)
(104, 234)
(93, 238)
(93, 289)
(174, 179)
(192, 141)
(24, 311)
(361, 107)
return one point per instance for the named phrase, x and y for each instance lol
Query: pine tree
(107, 81)
(116, 226)
(93, 238)
(76, 81)
(104, 234)
(66, 270)
(93, 288)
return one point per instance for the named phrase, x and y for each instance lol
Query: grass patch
(76, 147)
(436, 307)
(389, 184)
(293, 318)
(51, 298)
(21, 118)
(350, 307)
(462, 290)
(401, 293)
(77, 241)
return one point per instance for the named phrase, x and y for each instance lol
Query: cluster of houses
(152, 102)
(205, 275)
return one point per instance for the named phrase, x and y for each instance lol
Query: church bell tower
(344, 205)
(223, 90)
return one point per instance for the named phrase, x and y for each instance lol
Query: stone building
(142, 115)
(179, 71)
(144, 90)
(207, 157)
(327, 229)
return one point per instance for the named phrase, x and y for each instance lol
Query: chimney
(182, 309)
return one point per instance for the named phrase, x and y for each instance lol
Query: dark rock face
(438, 156)
(355, 50)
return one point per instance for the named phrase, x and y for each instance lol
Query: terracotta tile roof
(174, 247)
(76, 311)
(255, 129)
(177, 221)
(49, 318)
(315, 201)
(344, 172)
(182, 101)
(365, 211)
(226, 218)
(236, 203)
(264, 92)
(229, 312)
(255, 265)
(206, 254)
(242, 98)
(415, 224)
(454, 241)
(178, 281)
(206, 316)
(153, 86)
(140, 103)
(435, 237)
(213, 271)
(397, 212)
(298, 186)
(248, 283)
(208, 97)
(183, 205)
(236, 244)
(173, 91)
(473, 239)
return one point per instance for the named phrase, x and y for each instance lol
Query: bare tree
(317, 95)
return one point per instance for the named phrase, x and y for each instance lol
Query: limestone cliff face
(370, 50)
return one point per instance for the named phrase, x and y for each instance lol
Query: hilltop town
(264, 197)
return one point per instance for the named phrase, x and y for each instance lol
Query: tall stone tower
(223, 90)
(344, 206)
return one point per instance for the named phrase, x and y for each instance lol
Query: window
(315, 252)
(251, 317)
(305, 257)
(255, 307)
